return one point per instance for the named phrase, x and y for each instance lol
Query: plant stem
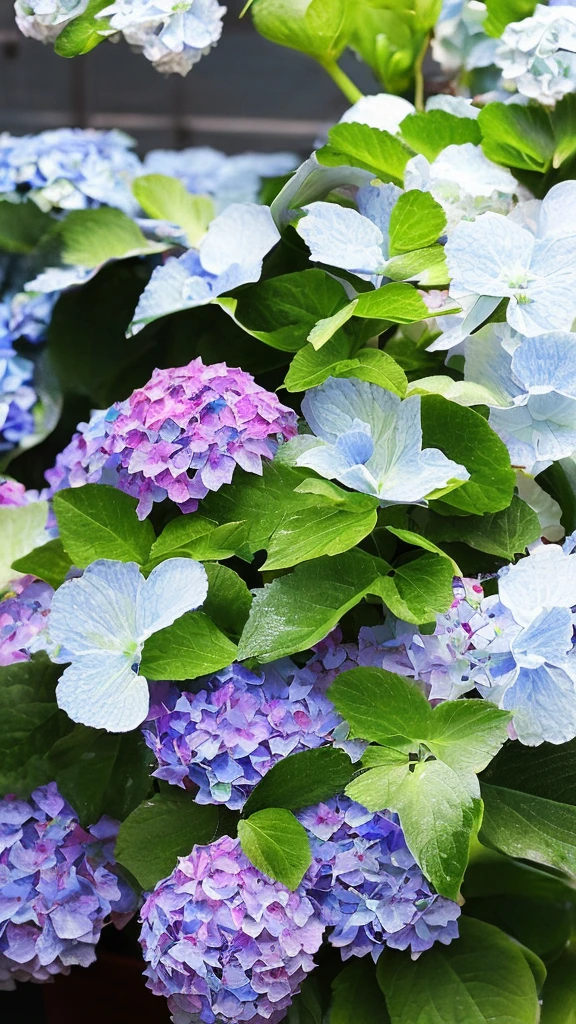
(351, 91)
(418, 75)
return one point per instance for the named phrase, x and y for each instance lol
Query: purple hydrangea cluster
(224, 942)
(180, 436)
(24, 607)
(368, 886)
(227, 736)
(57, 887)
(13, 493)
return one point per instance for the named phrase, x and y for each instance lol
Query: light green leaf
(358, 145)
(379, 705)
(339, 358)
(409, 537)
(530, 827)
(463, 392)
(83, 33)
(92, 237)
(467, 734)
(480, 978)
(416, 591)
(49, 562)
(277, 844)
(399, 303)
(424, 266)
(325, 329)
(198, 538)
(22, 225)
(433, 131)
(192, 646)
(502, 12)
(378, 367)
(22, 528)
(159, 831)
(416, 222)
(320, 28)
(166, 198)
(295, 611)
(97, 521)
(327, 529)
(302, 780)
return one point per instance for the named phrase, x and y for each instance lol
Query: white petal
(176, 586)
(97, 612)
(383, 111)
(488, 255)
(171, 288)
(342, 237)
(488, 363)
(243, 233)
(544, 705)
(547, 362)
(102, 691)
(545, 579)
(558, 211)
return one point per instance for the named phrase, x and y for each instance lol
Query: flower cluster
(24, 606)
(538, 55)
(45, 19)
(226, 943)
(57, 887)
(179, 436)
(367, 885)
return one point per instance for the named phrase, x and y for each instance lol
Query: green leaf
(338, 358)
(433, 131)
(162, 829)
(463, 392)
(416, 591)
(327, 529)
(92, 237)
(562, 120)
(467, 734)
(559, 993)
(192, 646)
(100, 772)
(397, 302)
(548, 770)
(83, 33)
(358, 145)
(97, 521)
(165, 198)
(378, 705)
(302, 780)
(282, 311)
(295, 611)
(22, 528)
(22, 225)
(416, 222)
(423, 266)
(409, 537)
(465, 436)
(306, 1007)
(320, 28)
(325, 329)
(198, 538)
(378, 367)
(480, 978)
(502, 12)
(504, 534)
(30, 723)
(229, 600)
(356, 995)
(49, 562)
(517, 136)
(277, 844)
(530, 827)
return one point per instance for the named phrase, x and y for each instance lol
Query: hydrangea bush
(290, 537)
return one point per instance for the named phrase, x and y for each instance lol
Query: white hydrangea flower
(172, 34)
(45, 19)
(384, 111)
(538, 55)
(460, 41)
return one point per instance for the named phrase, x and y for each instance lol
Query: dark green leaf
(49, 563)
(358, 145)
(433, 131)
(480, 978)
(416, 221)
(548, 770)
(306, 1007)
(22, 225)
(505, 534)
(530, 827)
(162, 829)
(302, 780)
(198, 538)
(559, 993)
(517, 136)
(356, 995)
(97, 521)
(277, 844)
(192, 646)
(229, 600)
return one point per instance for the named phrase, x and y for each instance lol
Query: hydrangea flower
(367, 885)
(179, 436)
(228, 735)
(45, 19)
(172, 34)
(463, 181)
(71, 168)
(228, 179)
(538, 54)
(533, 381)
(371, 441)
(531, 264)
(230, 254)
(460, 42)
(24, 607)
(12, 493)
(99, 623)
(58, 887)
(383, 111)
(226, 943)
(17, 400)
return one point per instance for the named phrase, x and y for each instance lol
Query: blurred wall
(246, 94)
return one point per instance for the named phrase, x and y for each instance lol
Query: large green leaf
(166, 198)
(277, 844)
(548, 771)
(480, 978)
(22, 225)
(339, 357)
(505, 534)
(416, 591)
(433, 131)
(416, 222)
(97, 521)
(48, 562)
(196, 537)
(517, 136)
(356, 995)
(358, 145)
(530, 827)
(327, 529)
(559, 992)
(162, 829)
(302, 780)
(192, 646)
(400, 303)
(295, 611)
(90, 238)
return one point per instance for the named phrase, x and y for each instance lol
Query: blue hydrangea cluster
(367, 885)
(58, 887)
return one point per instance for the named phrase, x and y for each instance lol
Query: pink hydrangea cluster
(12, 493)
(179, 436)
(226, 943)
(24, 607)
(57, 887)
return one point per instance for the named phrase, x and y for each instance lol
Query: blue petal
(243, 234)
(97, 612)
(548, 638)
(342, 237)
(547, 362)
(176, 586)
(356, 447)
(544, 704)
(545, 579)
(102, 691)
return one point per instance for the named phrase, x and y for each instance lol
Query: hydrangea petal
(342, 237)
(102, 691)
(547, 579)
(174, 587)
(544, 704)
(244, 233)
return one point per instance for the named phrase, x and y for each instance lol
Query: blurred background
(246, 94)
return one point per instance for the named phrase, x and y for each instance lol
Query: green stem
(418, 75)
(351, 91)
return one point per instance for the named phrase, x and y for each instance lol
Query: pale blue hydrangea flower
(227, 179)
(463, 181)
(383, 111)
(533, 381)
(460, 106)
(354, 240)
(99, 623)
(230, 254)
(460, 42)
(371, 441)
(45, 19)
(528, 257)
(538, 55)
(172, 34)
